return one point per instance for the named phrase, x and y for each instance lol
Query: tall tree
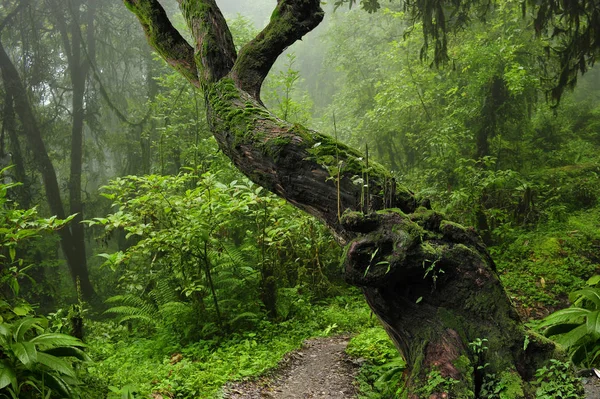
(80, 53)
(72, 237)
(431, 282)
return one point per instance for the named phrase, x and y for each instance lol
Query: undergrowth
(200, 369)
(540, 268)
(381, 370)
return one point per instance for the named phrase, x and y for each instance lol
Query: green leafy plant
(577, 328)
(556, 381)
(381, 373)
(436, 383)
(125, 392)
(36, 363)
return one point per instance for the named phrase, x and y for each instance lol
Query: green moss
(512, 385)
(239, 116)
(464, 365)
(453, 321)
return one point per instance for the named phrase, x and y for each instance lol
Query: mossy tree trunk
(431, 282)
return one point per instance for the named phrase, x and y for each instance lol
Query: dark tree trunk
(9, 129)
(431, 282)
(78, 69)
(70, 242)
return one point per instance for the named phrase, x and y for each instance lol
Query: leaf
(594, 280)
(52, 340)
(570, 315)
(23, 326)
(20, 311)
(5, 329)
(59, 384)
(593, 324)
(68, 351)
(7, 374)
(562, 328)
(573, 337)
(25, 352)
(592, 294)
(56, 364)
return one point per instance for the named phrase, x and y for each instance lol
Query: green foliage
(199, 369)
(205, 256)
(18, 228)
(556, 381)
(577, 328)
(436, 383)
(381, 372)
(126, 392)
(541, 267)
(283, 95)
(36, 363)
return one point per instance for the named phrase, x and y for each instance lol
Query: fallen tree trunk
(431, 282)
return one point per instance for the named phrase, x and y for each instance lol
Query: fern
(133, 308)
(160, 308)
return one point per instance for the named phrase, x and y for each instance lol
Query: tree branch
(13, 14)
(291, 20)
(215, 51)
(164, 38)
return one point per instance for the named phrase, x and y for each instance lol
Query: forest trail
(319, 370)
(322, 370)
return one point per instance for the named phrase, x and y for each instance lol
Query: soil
(319, 370)
(591, 384)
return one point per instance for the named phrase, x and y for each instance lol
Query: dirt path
(319, 370)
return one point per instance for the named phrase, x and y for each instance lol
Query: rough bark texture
(431, 282)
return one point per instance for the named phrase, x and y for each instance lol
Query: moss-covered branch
(310, 170)
(291, 20)
(215, 51)
(164, 38)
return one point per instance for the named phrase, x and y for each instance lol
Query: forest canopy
(570, 29)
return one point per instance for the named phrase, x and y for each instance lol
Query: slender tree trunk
(70, 242)
(13, 83)
(9, 128)
(494, 101)
(431, 282)
(78, 70)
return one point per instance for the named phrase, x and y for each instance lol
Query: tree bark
(431, 282)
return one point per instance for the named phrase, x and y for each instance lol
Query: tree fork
(431, 282)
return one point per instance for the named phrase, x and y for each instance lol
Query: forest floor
(322, 370)
(591, 384)
(319, 370)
